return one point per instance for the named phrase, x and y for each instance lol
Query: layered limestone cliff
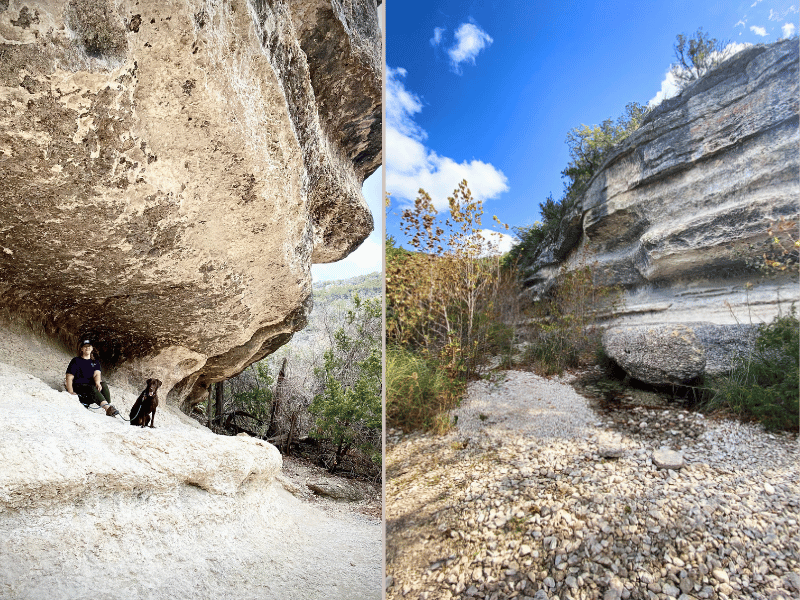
(676, 212)
(169, 171)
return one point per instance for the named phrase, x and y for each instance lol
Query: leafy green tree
(696, 56)
(589, 146)
(348, 411)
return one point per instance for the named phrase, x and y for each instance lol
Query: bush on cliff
(588, 146)
(564, 331)
(764, 386)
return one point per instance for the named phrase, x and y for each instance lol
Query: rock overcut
(170, 171)
(678, 209)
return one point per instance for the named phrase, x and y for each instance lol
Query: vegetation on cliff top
(589, 146)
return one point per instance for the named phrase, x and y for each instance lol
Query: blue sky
(487, 90)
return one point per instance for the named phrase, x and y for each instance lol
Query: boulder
(336, 489)
(680, 213)
(656, 354)
(169, 171)
(676, 353)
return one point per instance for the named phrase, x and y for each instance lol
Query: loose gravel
(536, 495)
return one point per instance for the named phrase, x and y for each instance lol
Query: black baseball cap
(85, 343)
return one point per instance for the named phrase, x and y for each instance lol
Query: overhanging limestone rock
(170, 170)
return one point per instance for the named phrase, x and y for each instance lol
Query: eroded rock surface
(170, 171)
(677, 211)
(89, 502)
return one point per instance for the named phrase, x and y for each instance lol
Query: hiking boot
(111, 411)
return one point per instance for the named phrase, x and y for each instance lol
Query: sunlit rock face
(171, 169)
(676, 212)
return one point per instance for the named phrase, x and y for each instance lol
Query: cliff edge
(681, 207)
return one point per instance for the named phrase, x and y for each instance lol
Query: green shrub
(418, 392)
(565, 334)
(764, 386)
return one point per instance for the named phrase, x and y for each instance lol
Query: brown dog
(143, 411)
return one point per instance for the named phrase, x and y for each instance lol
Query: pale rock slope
(90, 505)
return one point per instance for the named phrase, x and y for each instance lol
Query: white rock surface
(88, 502)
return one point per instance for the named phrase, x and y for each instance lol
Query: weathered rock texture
(672, 213)
(170, 170)
(88, 502)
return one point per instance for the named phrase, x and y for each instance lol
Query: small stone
(793, 581)
(720, 576)
(524, 550)
(664, 458)
(686, 585)
(724, 588)
(670, 590)
(472, 591)
(389, 581)
(768, 488)
(540, 595)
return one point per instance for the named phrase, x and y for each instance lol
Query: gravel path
(536, 495)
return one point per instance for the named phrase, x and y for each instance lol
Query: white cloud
(368, 257)
(437, 35)
(410, 165)
(402, 105)
(775, 15)
(742, 22)
(787, 30)
(754, 3)
(758, 30)
(470, 40)
(670, 86)
(495, 243)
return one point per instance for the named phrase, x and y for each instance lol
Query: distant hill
(331, 301)
(366, 286)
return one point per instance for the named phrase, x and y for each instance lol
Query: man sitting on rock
(83, 379)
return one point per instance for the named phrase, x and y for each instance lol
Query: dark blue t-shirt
(83, 369)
